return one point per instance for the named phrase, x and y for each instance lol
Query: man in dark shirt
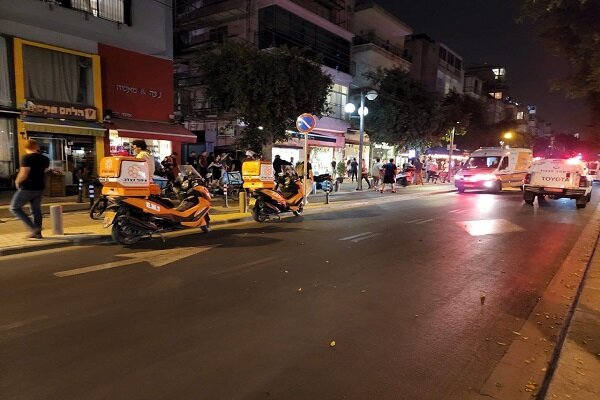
(30, 188)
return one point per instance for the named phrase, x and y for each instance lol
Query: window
(504, 163)
(56, 76)
(482, 162)
(499, 73)
(278, 27)
(443, 53)
(337, 99)
(5, 89)
(450, 58)
(496, 95)
(458, 63)
(113, 10)
(519, 114)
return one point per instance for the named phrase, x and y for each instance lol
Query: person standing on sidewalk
(389, 175)
(354, 169)
(30, 188)
(364, 173)
(376, 172)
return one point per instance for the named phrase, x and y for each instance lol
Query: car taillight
(583, 181)
(527, 179)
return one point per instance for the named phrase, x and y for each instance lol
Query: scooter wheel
(121, 237)
(257, 215)
(300, 209)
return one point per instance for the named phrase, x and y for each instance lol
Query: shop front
(161, 138)
(65, 118)
(8, 115)
(138, 98)
(352, 148)
(323, 147)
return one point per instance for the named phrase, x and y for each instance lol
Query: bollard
(327, 197)
(91, 193)
(80, 192)
(243, 204)
(226, 195)
(56, 218)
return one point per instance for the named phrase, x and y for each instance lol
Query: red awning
(151, 130)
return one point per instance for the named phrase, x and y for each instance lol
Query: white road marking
(462, 211)
(489, 227)
(414, 220)
(355, 236)
(156, 258)
(453, 211)
(424, 222)
(365, 237)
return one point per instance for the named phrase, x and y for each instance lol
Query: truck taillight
(527, 179)
(583, 181)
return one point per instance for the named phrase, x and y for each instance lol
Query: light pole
(450, 151)
(362, 111)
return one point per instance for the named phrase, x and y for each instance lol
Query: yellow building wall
(20, 90)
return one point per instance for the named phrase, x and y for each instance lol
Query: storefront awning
(151, 130)
(70, 127)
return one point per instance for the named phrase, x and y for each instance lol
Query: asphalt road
(251, 311)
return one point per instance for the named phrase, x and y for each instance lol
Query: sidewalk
(577, 372)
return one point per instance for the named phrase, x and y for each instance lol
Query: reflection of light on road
(484, 203)
(489, 227)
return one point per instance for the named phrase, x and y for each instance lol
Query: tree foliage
(267, 89)
(404, 111)
(572, 28)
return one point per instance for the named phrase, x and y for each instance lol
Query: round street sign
(306, 123)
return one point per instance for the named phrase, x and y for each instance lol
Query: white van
(594, 169)
(494, 168)
(558, 178)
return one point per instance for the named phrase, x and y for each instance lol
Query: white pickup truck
(558, 178)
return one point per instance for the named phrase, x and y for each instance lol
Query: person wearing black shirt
(30, 188)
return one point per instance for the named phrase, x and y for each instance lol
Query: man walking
(30, 188)
(389, 175)
(354, 169)
(376, 172)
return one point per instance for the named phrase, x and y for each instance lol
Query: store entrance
(67, 153)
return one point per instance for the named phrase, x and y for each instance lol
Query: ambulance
(594, 169)
(493, 169)
(557, 179)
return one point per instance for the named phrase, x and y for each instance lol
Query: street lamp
(362, 111)
(506, 136)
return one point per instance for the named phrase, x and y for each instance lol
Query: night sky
(485, 31)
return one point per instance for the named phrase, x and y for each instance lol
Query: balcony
(210, 13)
(374, 40)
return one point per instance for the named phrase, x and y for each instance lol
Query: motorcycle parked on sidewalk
(289, 197)
(137, 210)
(405, 177)
(133, 218)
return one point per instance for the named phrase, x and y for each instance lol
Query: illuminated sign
(61, 110)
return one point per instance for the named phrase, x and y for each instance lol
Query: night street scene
(299, 200)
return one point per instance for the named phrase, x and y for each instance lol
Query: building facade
(321, 27)
(62, 54)
(435, 65)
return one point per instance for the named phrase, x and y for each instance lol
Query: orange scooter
(137, 211)
(272, 203)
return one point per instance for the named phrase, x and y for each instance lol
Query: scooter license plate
(109, 217)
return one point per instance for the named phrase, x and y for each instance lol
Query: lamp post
(450, 151)
(362, 111)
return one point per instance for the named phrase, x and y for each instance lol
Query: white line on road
(425, 221)
(462, 211)
(365, 237)
(453, 211)
(355, 236)
(414, 220)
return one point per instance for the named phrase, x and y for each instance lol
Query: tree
(572, 28)
(404, 111)
(463, 113)
(267, 90)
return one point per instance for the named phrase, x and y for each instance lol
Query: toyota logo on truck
(554, 179)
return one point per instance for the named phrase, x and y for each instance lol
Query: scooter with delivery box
(136, 209)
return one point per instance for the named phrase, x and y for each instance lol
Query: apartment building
(378, 43)
(84, 78)
(434, 64)
(321, 26)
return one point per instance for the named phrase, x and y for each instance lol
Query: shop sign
(151, 93)
(61, 110)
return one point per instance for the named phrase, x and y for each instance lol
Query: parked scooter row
(134, 208)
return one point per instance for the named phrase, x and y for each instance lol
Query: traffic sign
(306, 123)
(326, 186)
